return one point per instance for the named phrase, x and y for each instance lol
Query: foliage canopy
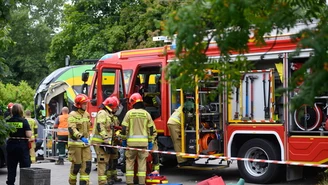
(232, 21)
(92, 29)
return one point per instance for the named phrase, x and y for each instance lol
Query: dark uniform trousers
(15, 149)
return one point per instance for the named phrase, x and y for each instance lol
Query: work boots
(60, 161)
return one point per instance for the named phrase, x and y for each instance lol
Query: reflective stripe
(33, 159)
(72, 176)
(97, 140)
(141, 174)
(72, 142)
(137, 139)
(153, 180)
(102, 178)
(76, 144)
(84, 177)
(137, 136)
(129, 173)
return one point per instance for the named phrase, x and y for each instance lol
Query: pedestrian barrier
(35, 176)
(211, 156)
(49, 144)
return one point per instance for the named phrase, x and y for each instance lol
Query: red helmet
(80, 99)
(110, 103)
(135, 98)
(10, 105)
(118, 101)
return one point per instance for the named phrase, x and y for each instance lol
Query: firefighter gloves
(84, 140)
(150, 145)
(124, 144)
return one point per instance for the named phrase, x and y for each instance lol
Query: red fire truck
(251, 122)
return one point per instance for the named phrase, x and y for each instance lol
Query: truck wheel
(256, 172)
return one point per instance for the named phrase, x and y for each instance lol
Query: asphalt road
(59, 175)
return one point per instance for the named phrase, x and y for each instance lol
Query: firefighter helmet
(110, 103)
(10, 105)
(135, 98)
(118, 101)
(80, 99)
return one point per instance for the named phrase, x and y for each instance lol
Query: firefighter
(7, 114)
(34, 127)
(113, 161)
(61, 122)
(102, 134)
(137, 132)
(79, 152)
(174, 125)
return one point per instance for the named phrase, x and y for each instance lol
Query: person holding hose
(137, 132)
(79, 153)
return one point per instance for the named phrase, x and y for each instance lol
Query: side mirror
(85, 76)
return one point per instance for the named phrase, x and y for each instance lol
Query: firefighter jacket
(175, 118)
(103, 127)
(138, 124)
(34, 127)
(78, 126)
(63, 124)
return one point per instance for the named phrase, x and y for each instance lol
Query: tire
(255, 172)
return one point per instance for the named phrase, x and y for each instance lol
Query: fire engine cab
(251, 122)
